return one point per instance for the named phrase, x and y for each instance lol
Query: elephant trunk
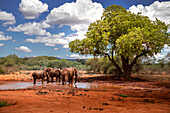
(75, 78)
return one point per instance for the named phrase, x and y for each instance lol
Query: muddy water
(22, 85)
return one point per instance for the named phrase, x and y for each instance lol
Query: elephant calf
(38, 75)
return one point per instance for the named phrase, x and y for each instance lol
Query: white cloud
(159, 56)
(74, 56)
(56, 49)
(31, 9)
(32, 28)
(78, 15)
(24, 49)
(160, 10)
(79, 12)
(66, 46)
(167, 48)
(1, 32)
(48, 44)
(52, 40)
(1, 44)
(59, 56)
(3, 37)
(7, 18)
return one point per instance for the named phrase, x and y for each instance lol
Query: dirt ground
(109, 96)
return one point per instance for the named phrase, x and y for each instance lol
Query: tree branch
(112, 60)
(134, 61)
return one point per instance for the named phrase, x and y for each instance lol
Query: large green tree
(125, 34)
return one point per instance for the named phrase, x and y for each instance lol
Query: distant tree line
(12, 63)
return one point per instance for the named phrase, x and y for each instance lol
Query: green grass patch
(3, 103)
(123, 95)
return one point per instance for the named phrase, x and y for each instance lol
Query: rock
(100, 109)
(105, 104)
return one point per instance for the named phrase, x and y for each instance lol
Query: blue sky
(45, 27)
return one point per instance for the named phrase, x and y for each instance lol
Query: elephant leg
(72, 80)
(63, 80)
(47, 79)
(52, 79)
(59, 79)
(42, 80)
(75, 79)
(56, 78)
(34, 80)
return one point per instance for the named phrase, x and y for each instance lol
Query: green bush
(2, 71)
(123, 95)
(3, 103)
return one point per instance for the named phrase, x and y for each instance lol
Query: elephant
(68, 75)
(53, 73)
(39, 75)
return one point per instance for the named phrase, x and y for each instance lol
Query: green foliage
(94, 64)
(3, 103)
(123, 95)
(162, 62)
(2, 71)
(13, 63)
(124, 34)
(39, 61)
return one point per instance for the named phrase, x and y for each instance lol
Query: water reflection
(22, 85)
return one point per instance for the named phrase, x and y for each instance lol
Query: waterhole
(22, 85)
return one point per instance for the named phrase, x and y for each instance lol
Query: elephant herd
(67, 74)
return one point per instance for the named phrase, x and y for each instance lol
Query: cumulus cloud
(78, 15)
(1, 44)
(3, 37)
(31, 9)
(66, 46)
(52, 40)
(159, 56)
(56, 49)
(48, 44)
(74, 56)
(167, 48)
(7, 18)
(24, 49)
(31, 28)
(160, 10)
(79, 12)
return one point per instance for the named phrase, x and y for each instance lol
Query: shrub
(3, 103)
(123, 95)
(2, 71)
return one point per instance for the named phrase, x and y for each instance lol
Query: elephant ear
(48, 69)
(58, 71)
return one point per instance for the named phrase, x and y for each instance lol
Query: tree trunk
(126, 67)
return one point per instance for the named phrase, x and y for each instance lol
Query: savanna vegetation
(13, 63)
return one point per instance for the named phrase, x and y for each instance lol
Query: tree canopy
(125, 34)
